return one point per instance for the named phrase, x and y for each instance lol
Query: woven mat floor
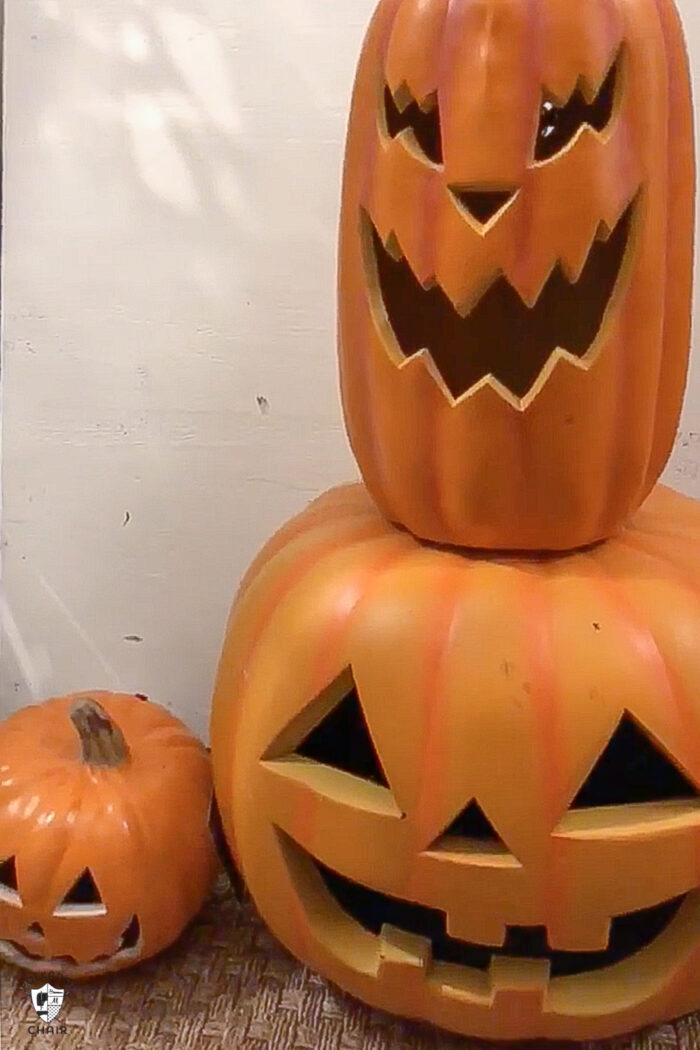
(228, 984)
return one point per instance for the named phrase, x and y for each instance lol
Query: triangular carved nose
(482, 204)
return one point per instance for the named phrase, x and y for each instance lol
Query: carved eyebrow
(559, 123)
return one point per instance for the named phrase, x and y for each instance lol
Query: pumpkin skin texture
(105, 856)
(510, 378)
(528, 688)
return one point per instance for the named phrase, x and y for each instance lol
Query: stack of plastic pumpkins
(456, 727)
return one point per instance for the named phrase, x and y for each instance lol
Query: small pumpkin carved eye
(423, 121)
(83, 898)
(559, 124)
(9, 890)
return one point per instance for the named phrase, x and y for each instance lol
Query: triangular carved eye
(342, 740)
(9, 892)
(83, 898)
(8, 874)
(633, 768)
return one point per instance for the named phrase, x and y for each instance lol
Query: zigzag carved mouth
(501, 337)
(372, 910)
(130, 946)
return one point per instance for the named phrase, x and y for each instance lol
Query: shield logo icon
(47, 1002)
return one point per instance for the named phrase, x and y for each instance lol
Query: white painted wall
(170, 386)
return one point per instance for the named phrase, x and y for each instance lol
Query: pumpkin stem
(103, 742)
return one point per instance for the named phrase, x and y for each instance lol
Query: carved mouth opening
(129, 944)
(501, 337)
(372, 910)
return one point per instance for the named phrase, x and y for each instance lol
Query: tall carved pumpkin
(467, 789)
(515, 264)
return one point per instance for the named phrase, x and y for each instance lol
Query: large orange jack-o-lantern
(105, 849)
(467, 789)
(515, 264)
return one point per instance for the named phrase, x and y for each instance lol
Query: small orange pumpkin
(515, 264)
(105, 851)
(467, 789)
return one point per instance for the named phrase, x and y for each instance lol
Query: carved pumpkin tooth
(580, 932)
(393, 247)
(482, 928)
(399, 948)
(511, 978)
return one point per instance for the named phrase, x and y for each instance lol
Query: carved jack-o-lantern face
(513, 322)
(468, 790)
(107, 941)
(105, 852)
(501, 334)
